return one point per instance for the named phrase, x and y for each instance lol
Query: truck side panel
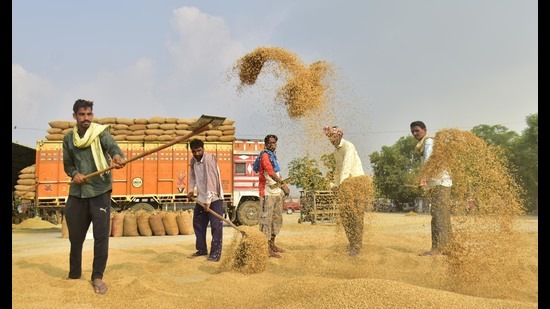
(224, 154)
(161, 177)
(52, 182)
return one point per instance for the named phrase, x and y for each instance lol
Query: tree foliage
(496, 135)
(395, 168)
(525, 156)
(306, 174)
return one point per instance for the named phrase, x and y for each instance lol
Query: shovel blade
(215, 121)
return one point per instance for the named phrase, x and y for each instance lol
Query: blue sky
(452, 64)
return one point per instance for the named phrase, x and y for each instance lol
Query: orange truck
(158, 181)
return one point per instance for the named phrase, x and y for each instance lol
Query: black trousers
(80, 212)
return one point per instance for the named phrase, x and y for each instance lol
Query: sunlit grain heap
(304, 90)
(247, 254)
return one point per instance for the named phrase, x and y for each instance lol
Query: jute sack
(25, 188)
(186, 120)
(225, 128)
(151, 138)
(166, 137)
(125, 121)
(170, 224)
(54, 130)
(64, 228)
(29, 169)
(121, 126)
(168, 126)
(157, 119)
(141, 121)
(112, 215)
(214, 133)
(155, 221)
(59, 124)
(54, 137)
(227, 138)
(134, 137)
(117, 228)
(27, 176)
(185, 222)
(130, 224)
(28, 182)
(143, 224)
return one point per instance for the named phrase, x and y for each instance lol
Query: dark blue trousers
(201, 219)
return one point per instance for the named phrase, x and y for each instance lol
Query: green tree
(329, 162)
(496, 135)
(395, 168)
(525, 156)
(306, 174)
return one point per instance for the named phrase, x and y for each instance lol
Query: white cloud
(28, 91)
(203, 46)
(125, 93)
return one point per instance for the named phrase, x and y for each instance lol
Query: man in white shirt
(354, 189)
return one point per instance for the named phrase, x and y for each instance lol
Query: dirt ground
(314, 272)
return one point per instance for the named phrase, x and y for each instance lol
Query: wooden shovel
(222, 218)
(226, 221)
(204, 123)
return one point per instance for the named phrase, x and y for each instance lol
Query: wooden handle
(224, 219)
(180, 139)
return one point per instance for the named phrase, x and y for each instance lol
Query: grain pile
(483, 253)
(35, 223)
(315, 272)
(248, 253)
(152, 129)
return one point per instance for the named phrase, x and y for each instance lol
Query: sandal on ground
(99, 287)
(196, 254)
(431, 253)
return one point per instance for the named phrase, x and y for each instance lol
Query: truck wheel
(248, 213)
(142, 206)
(289, 211)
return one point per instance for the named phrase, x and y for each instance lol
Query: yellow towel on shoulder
(91, 139)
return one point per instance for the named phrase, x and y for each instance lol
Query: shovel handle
(224, 219)
(180, 139)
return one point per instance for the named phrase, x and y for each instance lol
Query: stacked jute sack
(26, 184)
(152, 129)
(144, 223)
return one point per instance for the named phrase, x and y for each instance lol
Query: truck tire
(142, 206)
(248, 213)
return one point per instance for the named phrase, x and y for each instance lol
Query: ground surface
(314, 272)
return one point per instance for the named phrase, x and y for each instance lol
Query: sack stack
(152, 129)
